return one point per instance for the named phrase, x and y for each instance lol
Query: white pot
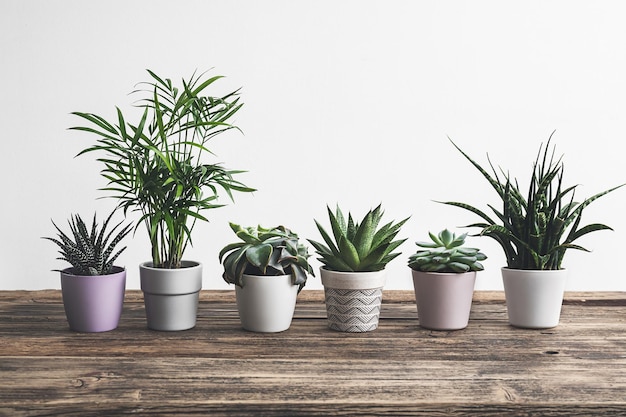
(266, 303)
(534, 297)
(171, 295)
(353, 299)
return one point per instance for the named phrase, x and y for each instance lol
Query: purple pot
(93, 303)
(444, 300)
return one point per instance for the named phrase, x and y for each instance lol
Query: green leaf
(349, 252)
(259, 256)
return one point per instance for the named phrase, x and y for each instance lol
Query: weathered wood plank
(194, 382)
(490, 368)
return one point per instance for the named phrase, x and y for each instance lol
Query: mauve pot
(93, 303)
(444, 300)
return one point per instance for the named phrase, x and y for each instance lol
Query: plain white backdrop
(347, 102)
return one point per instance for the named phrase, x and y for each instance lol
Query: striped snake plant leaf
(535, 231)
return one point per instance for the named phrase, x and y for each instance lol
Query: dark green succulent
(530, 228)
(262, 251)
(89, 251)
(358, 247)
(446, 254)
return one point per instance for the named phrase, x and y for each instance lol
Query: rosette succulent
(445, 253)
(262, 251)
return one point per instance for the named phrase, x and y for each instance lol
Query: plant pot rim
(266, 276)
(506, 268)
(353, 280)
(269, 276)
(351, 272)
(433, 273)
(116, 270)
(185, 265)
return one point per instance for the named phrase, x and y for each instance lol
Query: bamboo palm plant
(536, 229)
(156, 165)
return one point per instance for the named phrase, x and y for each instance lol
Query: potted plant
(269, 267)
(157, 166)
(93, 287)
(353, 272)
(444, 273)
(535, 230)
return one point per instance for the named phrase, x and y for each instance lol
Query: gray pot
(171, 295)
(353, 299)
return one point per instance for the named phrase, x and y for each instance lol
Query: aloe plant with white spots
(265, 251)
(446, 253)
(90, 251)
(358, 246)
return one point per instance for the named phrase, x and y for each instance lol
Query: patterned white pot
(353, 299)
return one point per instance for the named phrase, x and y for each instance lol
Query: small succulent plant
(446, 254)
(262, 251)
(90, 252)
(358, 247)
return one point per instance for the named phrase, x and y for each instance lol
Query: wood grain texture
(487, 369)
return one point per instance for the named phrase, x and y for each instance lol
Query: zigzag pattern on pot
(353, 310)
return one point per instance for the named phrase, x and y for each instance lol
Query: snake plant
(262, 251)
(89, 251)
(534, 229)
(445, 253)
(357, 246)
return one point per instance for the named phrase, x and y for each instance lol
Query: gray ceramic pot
(171, 295)
(93, 303)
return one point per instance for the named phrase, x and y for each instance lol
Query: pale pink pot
(444, 300)
(93, 303)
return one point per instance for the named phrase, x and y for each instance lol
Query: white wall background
(346, 102)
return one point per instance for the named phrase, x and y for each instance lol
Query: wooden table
(488, 369)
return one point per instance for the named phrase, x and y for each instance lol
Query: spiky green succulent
(262, 251)
(445, 253)
(89, 251)
(534, 230)
(358, 247)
